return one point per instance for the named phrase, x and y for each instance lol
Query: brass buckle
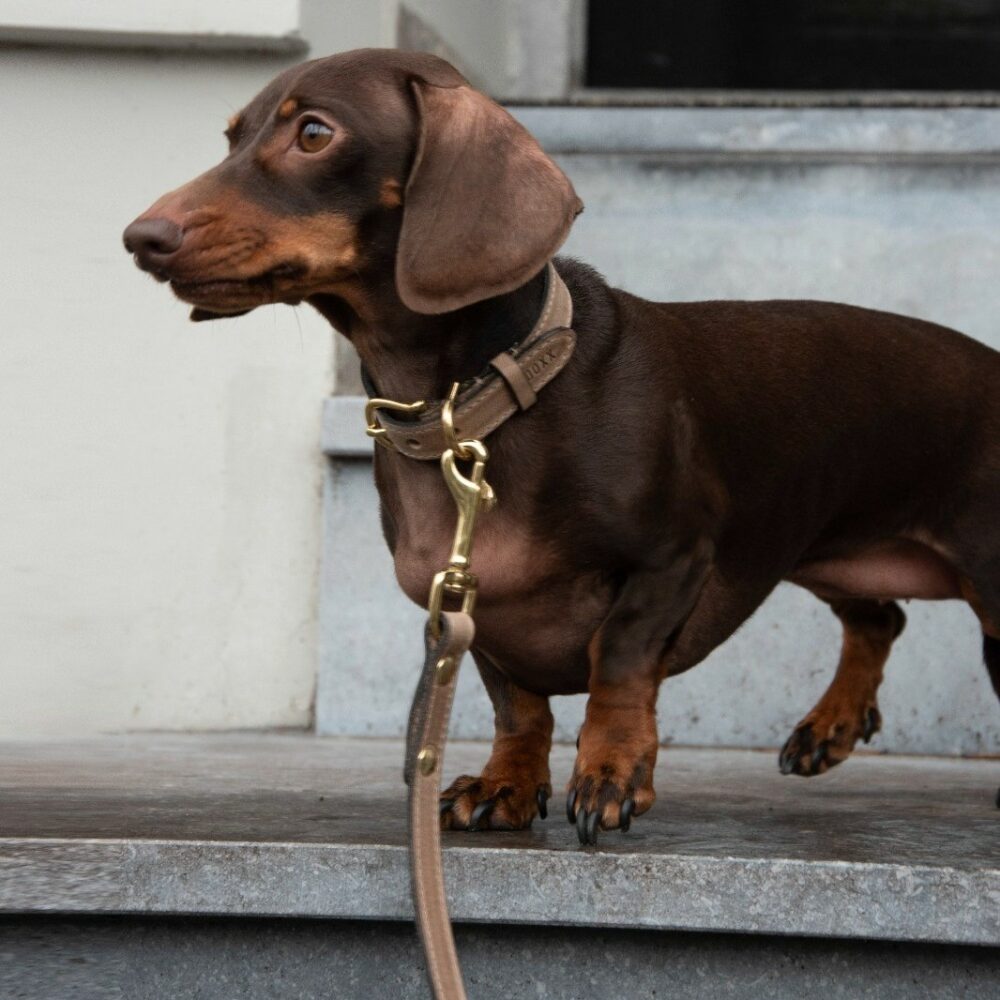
(380, 434)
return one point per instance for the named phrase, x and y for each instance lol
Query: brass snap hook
(448, 425)
(471, 494)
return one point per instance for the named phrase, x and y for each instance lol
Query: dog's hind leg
(991, 654)
(848, 710)
(514, 786)
(989, 618)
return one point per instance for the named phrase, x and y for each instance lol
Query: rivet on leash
(427, 760)
(445, 669)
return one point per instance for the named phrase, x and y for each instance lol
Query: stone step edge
(504, 885)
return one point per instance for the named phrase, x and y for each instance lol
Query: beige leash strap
(428, 731)
(449, 634)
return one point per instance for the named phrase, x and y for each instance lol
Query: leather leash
(448, 636)
(453, 430)
(426, 737)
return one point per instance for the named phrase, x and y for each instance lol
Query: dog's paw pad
(485, 803)
(822, 740)
(607, 800)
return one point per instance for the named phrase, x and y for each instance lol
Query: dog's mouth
(227, 296)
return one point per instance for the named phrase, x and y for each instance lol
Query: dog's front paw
(826, 737)
(494, 802)
(611, 783)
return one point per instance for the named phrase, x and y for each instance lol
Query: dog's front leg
(613, 776)
(515, 783)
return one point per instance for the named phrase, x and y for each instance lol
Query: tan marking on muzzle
(325, 244)
(230, 238)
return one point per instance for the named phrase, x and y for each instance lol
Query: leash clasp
(471, 494)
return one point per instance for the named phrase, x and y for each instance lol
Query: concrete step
(882, 867)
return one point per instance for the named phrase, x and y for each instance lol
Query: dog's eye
(314, 136)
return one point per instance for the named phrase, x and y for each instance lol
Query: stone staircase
(270, 865)
(274, 866)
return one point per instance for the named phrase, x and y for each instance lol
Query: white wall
(159, 480)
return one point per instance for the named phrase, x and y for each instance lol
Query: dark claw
(581, 826)
(445, 806)
(481, 811)
(998, 798)
(786, 761)
(592, 827)
(872, 721)
(797, 746)
(570, 803)
(625, 821)
(542, 798)
(819, 755)
(578, 741)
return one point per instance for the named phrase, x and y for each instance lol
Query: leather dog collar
(511, 383)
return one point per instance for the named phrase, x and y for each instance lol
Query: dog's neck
(411, 356)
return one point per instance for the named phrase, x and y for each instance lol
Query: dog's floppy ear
(484, 208)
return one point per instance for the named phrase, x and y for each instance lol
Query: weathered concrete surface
(155, 959)
(883, 848)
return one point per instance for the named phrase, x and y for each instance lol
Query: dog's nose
(153, 241)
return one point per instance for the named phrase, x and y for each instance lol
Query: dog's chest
(534, 615)
(503, 558)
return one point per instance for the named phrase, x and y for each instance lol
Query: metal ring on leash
(460, 448)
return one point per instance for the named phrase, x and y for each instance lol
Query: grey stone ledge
(884, 848)
(210, 42)
(517, 886)
(765, 131)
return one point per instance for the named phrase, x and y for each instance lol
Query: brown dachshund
(687, 459)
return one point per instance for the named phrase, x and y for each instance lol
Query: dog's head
(352, 165)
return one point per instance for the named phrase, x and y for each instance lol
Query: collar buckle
(378, 433)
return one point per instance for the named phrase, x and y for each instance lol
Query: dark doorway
(794, 44)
